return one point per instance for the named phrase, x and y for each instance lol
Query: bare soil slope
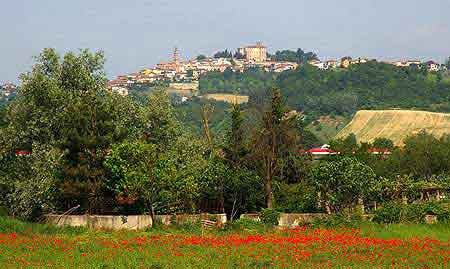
(395, 124)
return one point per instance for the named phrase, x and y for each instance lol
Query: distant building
(432, 66)
(331, 64)
(317, 64)
(8, 89)
(321, 152)
(359, 61)
(123, 91)
(256, 53)
(346, 62)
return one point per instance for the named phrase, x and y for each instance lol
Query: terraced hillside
(395, 124)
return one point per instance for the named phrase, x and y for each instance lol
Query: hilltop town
(7, 91)
(184, 75)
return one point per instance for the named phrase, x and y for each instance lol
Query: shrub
(243, 224)
(411, 213)
(269, 216)
(389, 213)
(3, 211)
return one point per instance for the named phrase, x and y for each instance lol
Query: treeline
(315, 92)
(252, 82)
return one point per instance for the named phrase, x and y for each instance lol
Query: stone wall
(292, 219)
(136, 222)
(183, 218)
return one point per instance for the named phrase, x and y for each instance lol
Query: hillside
(395, 124)
(326, 127)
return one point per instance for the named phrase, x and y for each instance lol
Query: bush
(269, 217)
(389, 213)
(411, 213)
(244, 224)
(3, 211)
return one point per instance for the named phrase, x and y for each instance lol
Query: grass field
(229, 98)
(395, 124)
(372, 246)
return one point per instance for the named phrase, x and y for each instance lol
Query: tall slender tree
(277, 136)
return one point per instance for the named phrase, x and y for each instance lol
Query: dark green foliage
(295, 198)
(201, 57)
(254, 82)
(298, 56)
(316, 92)
(269, 216)
(341, 182)
(395, 212)
(223, 54)
(383, 143)
(389, 213)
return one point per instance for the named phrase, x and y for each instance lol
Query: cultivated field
(371, 246)
(229, 98)
(395, 124)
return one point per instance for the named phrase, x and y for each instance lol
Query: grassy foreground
(24, 245)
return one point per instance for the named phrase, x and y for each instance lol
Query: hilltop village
(184, 75)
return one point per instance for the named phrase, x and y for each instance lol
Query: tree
(383, 143)
(223, 54)
(63, 104)
(238, 55)
(161, 125)
(298, 56)
(347, 146)
(28, 183)
(276, 138)
(201, 57)
(342, 182)
(235, 149)
(447, 63)
(132, 166)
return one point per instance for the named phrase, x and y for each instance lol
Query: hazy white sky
(140, 33)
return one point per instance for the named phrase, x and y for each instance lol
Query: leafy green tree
(346, 146)
(63, 104)
(132, 166)
(28, 183)
(383, 143)
(342, 182)
(298, 56)
(424, 155)
(276, 138)
(161, 124)
(236, 148)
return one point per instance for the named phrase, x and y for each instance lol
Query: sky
(140, 33)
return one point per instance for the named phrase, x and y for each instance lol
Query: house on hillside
(331, 64)
(317, 63)
(323, 151)
(432, 66)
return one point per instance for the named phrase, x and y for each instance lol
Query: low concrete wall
(136, 222)
(291, 219)
(183, 218)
